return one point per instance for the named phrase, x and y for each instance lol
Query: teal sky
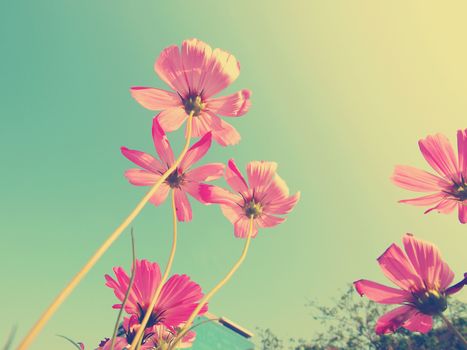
(342, 91)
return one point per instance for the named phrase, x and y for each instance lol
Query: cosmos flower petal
(381, 293)
(417, 180)
(179, 297)
(439, 153)
(172, 119)
(142, 159)
(266, 220)
(427, 262)
(201, 125)
(232, 213)
(462, 151)
(217, 195)
(140, 177)
(419, 323)
(169, 67)
(462, 212)
(161, 195)
(445, 206)
(196, 152)
(207, 172)
(234, 177)
(431, 199)
(261, 173)
(155, 99)
(222, 132)
(210, 71)
(397, 267)
(161, 143)
(394, 319)
(242, 226)
(182, 206)
(234, 105)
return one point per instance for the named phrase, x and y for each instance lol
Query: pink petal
(232, 213)
(196, 152)
(242, 226)
(398, 268)
(155, 99)
(462, 212)
(462, 151)
(201, 125)
(439, 154)
(381, 293)
(182, 206)
(425, 200)
(222, 132)
(147, 278)
(172, 119)
(446, 206)
(234, 105)
(207, 172)
(266, 220)
(419, 323)
(170, 69)
(394, 319)
(275, 197)
(179, 297)
(209, 71)
(139, 177)
(218, 195)
(161, 143)
(192, 188)
(234, 177)
(161, 195)
(427, 262)
(261, 173)
(414, 179)
(142, 159)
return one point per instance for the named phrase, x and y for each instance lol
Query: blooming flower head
(423, 279)
(196, 73)
(266, 197)
(448, 189)
(182, 180)
(178, 298)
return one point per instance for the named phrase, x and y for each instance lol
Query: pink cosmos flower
(178, 299)
(266, 197)
(196, 73)
(448, 190)
(183, 180)
(423, 278)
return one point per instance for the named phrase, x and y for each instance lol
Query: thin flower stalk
(138, 336)
(132, 278)
(50, 311)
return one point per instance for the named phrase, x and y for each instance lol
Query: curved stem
(138, 337)
(209, 295)
(127, 294)
(454, 330)
(48, 313)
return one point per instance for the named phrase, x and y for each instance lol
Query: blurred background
(342, 91)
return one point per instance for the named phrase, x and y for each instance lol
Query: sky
(342, 92)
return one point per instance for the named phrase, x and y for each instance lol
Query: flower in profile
(265, 199)
(182, 180)
(178, 298)
(448, 189)
(196, 73)
(423, 278)
(164, 337)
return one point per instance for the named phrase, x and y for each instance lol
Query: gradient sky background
(342, 91)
